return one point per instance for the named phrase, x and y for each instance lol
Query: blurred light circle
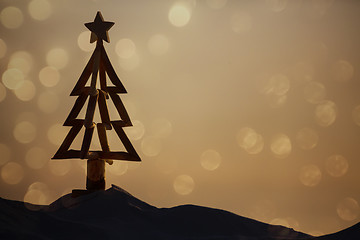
(277, 85)
(325, 113)
(118, 168)
(136, 132)
(276, 101)
(348, 209)
(248, 139)
(84, 41)
(314, 92)
(11, 17)
(125, 48)
(13, 78)
(355, 113)
(161, 128)
(184, 184)
(26, 91)
(5, 154)
(48, 102)
(151, 146)
(310, 175)
(276, 5)
(37, 193)
(12, 173)
(281, 145)
(158, 44)
(3, 48)
(56, 134)
(241, 23)
(24, 132)
(2, 92)
(210, 159)
(40, 9)
(307, 138)
(337, 165)
(343, 71)
(22, 61)
(57, 58)
(179, 15)
(49, 76)
(216, 4)
(59, 168)
(129, 64)
(36, 158)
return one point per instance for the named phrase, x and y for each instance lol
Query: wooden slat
(89, 117)
(125, 140)
(118, 156)
(86, 142)
(67, 155)
(74, 131)
(103, 109)
(79, 103)
(84, 77)
(102, 75)
(102, 137)
(120, 108)
(111, 72)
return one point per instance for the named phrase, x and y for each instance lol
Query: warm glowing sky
(248, 106)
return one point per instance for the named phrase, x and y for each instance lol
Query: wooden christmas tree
(98, 65)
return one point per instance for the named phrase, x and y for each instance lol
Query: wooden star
(99, 28)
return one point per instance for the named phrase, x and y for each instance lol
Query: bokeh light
(11, 17)
(348, 209)
(3, 48)
(125, 48)
(241, 22)
(57, 58)
(184, 184)
(151, 146)
(118, 168)
(49, 76)
(343, 71)
(13, 78)
(24, 132)
(277, 85)
(36, 158)
(37, 193)
(21, 60)
(84, 41)
(131, 63)
(326, 113)
(210, 159)
(136, 132)
(281, 145)
(179, 15)
(5, 154)
(248, 139)
(12, 173)
(158, 44)
(310, 175)
(307, 138)
(337, 165)
(40, 9)
(314, 92)
(48, 102)
(26, 91)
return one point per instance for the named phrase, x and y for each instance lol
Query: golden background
(248, 106)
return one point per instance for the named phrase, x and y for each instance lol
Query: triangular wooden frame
(99, 63)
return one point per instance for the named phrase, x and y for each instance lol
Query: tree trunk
(95, 174)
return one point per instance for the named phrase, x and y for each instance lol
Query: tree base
(95, 179)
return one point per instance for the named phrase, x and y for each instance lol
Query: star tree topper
(99, 28)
